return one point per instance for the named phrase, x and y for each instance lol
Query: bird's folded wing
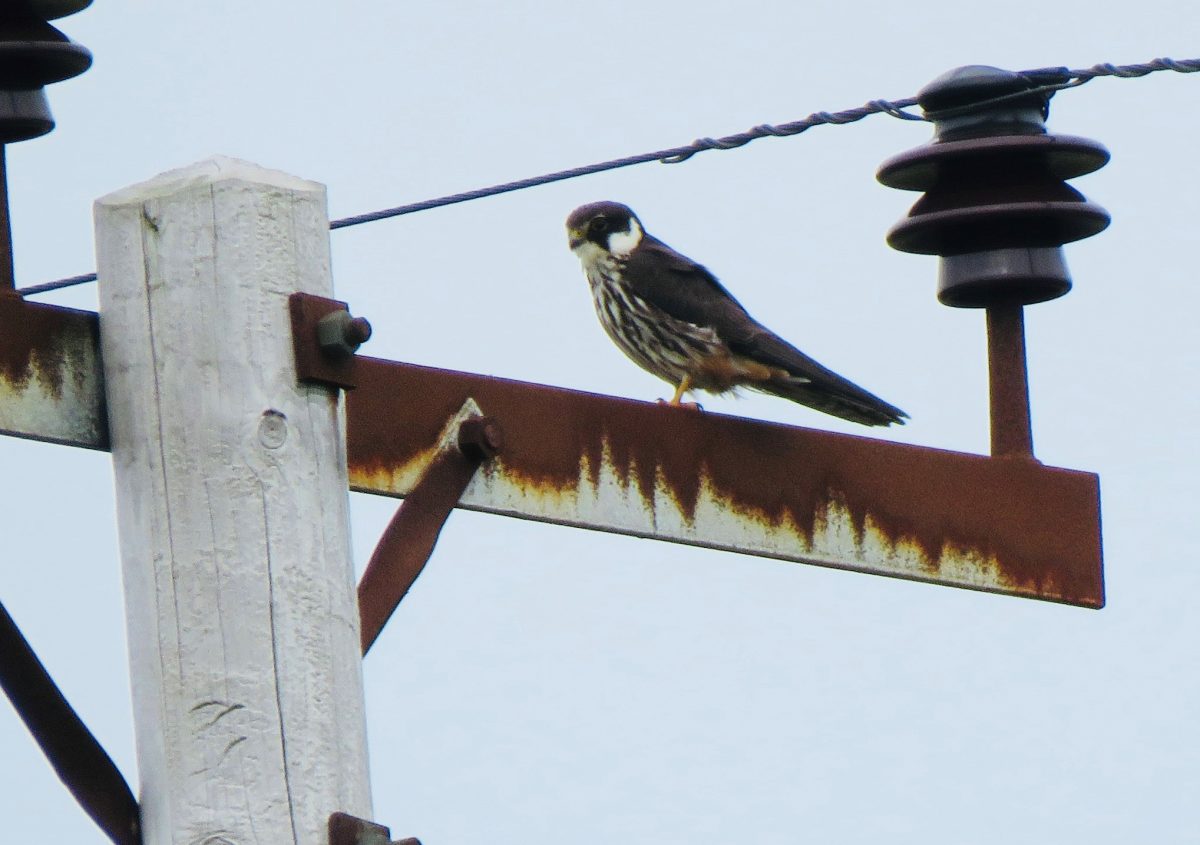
(685, 290)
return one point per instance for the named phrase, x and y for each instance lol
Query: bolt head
(480, 438)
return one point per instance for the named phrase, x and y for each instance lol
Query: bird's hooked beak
(575, 237)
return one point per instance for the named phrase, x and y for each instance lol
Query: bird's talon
(687, 406)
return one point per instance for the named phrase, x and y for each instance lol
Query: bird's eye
(600, 225)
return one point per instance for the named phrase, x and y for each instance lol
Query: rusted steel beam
(80, 762)
(467, 440)
(51, 380)
(1004, 525)
(1007, 525)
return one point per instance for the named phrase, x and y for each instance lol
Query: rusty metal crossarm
(1007, 525)
(51, 379)
(1004, 525)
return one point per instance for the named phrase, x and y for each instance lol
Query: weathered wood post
(233, 510)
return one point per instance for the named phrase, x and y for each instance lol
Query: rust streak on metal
(51, 380)
(31, 344)
(1005, 525)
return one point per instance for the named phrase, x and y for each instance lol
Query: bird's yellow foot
(684, 385)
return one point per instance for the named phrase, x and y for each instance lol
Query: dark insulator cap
(34, 54)
(24, 115)
(47, 10)
(996, 206)
(974, 86)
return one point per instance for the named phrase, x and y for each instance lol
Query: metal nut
(339, 335)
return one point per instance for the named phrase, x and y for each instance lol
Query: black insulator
(48, 10)
(996, 207)
(24, 114)
(34, 54)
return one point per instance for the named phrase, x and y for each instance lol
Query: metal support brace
(81, 764)
(468, 440)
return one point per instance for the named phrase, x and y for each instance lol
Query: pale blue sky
(546, 685)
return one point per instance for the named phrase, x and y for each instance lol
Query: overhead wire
(1049, 80)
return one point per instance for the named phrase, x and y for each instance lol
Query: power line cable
(1050, 79)
(68, 282)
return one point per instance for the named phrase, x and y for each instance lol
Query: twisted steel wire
(1050, 79)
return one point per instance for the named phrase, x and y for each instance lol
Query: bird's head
(607, 228)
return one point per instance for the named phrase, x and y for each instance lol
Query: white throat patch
(590, 254)
(621, 244)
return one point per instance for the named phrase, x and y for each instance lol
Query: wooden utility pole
(233, 510)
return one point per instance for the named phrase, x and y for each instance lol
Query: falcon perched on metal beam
(675, 320)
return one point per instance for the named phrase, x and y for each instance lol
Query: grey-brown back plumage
(688, 291)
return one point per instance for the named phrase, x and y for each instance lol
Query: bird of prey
(676, 321)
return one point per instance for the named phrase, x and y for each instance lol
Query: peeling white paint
(60, 398)
(615, 503)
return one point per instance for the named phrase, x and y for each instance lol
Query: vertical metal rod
(8, 283)
(1008, 381)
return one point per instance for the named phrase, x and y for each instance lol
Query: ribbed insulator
(34, 54)
(996, 205)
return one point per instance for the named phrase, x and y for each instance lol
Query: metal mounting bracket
(325, 338)
(345, 829)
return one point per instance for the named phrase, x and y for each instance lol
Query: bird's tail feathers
(841, 399)
(817, 386)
